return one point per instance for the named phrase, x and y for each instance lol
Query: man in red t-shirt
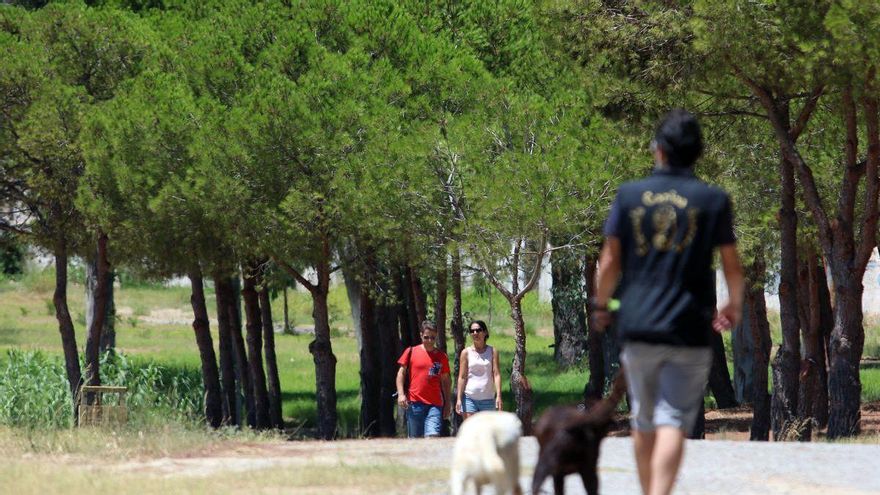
(427, 403)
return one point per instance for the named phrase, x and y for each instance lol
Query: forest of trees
(404, 143)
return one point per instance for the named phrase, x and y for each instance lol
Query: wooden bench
(98, 413)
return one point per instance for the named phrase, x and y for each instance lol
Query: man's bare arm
(608, 274)
(730, 314)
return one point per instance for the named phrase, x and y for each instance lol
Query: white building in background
(870, 298)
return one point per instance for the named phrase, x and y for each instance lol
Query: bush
(34, 390)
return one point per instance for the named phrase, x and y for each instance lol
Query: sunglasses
(428, 337)
(475, 330)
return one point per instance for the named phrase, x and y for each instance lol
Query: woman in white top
(479, 379)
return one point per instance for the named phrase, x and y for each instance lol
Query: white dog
(487, 451)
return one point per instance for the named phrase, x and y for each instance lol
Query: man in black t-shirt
(660, 237)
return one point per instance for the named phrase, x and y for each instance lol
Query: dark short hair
(482, 325)
(679, 136)
(428, 325)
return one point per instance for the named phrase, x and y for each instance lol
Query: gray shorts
(666, 384)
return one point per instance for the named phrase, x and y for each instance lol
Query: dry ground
(392, 466)
(227, 465)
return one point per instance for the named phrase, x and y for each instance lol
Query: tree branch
(790, 152)
(868, 230)
(514, 267)
(536, 271)
(806, 112)
(295, 274)
(723, 96)
(492, 280)
(734, 112)
(850, 179)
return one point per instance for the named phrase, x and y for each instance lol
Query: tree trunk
(569, 317)
(409, 324)
(440, 308)
(826, 319)
(254, 329)
(210, 376)
(719, 376)
(353, 290)
(810, 326)
(287, 329)
(325, 365)
(65, 323)
(242, 367)
(223, 291)
(389, 345)
(786, 365)
(371, 366)
(847, 342)
(847, 254)
(418, 297)
(108, 333)
(93, 340)
(743, 359)
(519, 384)
(596, 385)
(276, 419)
(456, 326)
(756, 308)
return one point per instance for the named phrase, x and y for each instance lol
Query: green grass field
(153, 329)
(27, 322)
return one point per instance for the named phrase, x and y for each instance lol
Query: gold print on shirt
(692, 214)
(664, 222)
(650, 198)
(665, 226)
(636, 216)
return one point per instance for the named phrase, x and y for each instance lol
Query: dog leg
(510, 456)
(457, 483)
(543, 468)
(559, 484)
(591, 480)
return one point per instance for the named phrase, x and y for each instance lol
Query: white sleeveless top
(480, 380)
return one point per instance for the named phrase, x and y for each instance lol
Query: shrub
(34, 390)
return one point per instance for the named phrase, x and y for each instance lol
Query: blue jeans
(423, 420)
(475, 406)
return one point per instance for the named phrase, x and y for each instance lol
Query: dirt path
(419, 466)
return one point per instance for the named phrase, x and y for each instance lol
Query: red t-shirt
(425, 370)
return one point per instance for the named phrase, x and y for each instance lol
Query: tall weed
(34, 390)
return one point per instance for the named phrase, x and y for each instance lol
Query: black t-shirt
(668, 225)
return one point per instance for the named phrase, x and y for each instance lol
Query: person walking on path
(479, 377)
(660, 236)
(427, 400)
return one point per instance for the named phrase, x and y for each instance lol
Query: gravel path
(711, 467)
(740, 468)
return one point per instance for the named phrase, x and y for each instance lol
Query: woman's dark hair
(679, 136)
(482, 325)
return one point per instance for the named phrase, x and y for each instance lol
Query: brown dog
(569, 438)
